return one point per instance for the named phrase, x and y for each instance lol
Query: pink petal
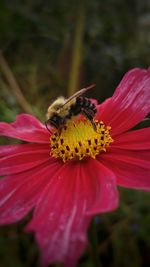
(100, 188)
(131, 168)
(18, 158)
(26, 128)
(10, 150)
(19, 193)
(129, 104)
(60, 220)
(134, 140)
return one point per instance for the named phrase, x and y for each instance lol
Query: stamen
(77, 140)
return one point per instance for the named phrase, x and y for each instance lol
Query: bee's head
(55, 107)
(54, 121)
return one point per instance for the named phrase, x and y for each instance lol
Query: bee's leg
(47, 124)
(89, 117)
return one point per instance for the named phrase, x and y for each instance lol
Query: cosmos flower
(70, 175)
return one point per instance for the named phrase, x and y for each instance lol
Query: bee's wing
(78, 93)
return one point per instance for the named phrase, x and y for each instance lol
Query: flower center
(79, 140)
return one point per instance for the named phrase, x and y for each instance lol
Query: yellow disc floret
(79, 140)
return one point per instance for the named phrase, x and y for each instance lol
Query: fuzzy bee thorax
(58, 107)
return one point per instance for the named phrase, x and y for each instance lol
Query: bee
(63, 109)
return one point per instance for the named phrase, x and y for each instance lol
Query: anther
(79, 143)
(76, 150)
(61, 141)
(95, 140)
(77, 140)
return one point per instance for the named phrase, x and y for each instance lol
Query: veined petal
(134, 140)
(19, 193)
(18, 158)
(129, 104)
(10, 150)
(100, 187)
(26, 128)
(79, 189)
(131, 168)
(60, 213)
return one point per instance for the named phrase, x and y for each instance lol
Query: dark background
(52, 48)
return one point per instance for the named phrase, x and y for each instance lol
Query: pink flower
(65, 189)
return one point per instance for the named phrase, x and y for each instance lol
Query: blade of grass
(77, 52)
(13, 84)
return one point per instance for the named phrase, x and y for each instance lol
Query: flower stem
(77, 51)
(13, 84)
(94, 245)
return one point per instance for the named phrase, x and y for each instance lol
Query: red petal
(131, 168)
(134, 140)
(100, 188)
(129, 104)
(19, 193)
(27, 128)
(18, 158)
(60, 219)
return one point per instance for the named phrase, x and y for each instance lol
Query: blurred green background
(52, 48)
